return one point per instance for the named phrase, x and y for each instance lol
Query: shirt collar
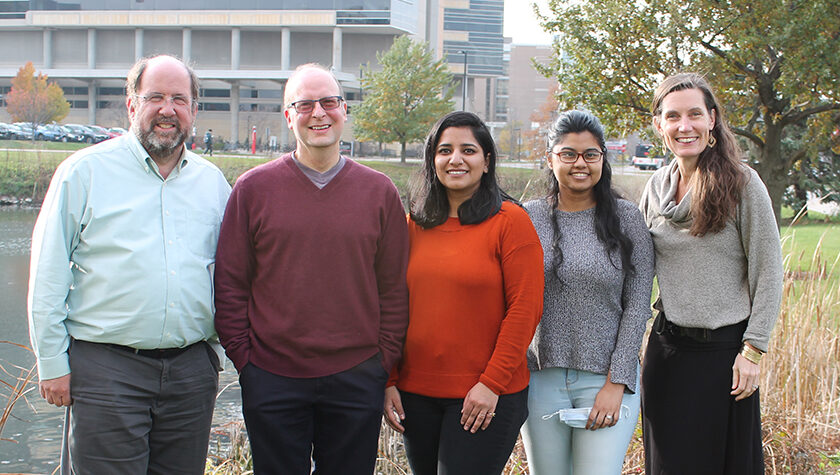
(145, 161)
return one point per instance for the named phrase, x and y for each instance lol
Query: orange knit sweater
(475, 299)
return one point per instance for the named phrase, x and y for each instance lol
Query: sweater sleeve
(390, 268)
(522, 270)
(635, 301)
(762, 249)
(235, 263)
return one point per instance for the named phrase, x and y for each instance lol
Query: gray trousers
(135, 415)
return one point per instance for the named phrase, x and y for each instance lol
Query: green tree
(405, 98)
(32, 99)
(773, 63)
(816, 163)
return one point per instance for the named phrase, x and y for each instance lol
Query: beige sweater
(721, 278)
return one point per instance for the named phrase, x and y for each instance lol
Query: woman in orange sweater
(475, 279)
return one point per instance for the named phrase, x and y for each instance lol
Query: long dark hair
(607, 224)
(720, 179)
(428, 204)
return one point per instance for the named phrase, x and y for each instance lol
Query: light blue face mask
(576, 417)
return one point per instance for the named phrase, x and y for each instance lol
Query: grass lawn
(801, 241)
(42, 145)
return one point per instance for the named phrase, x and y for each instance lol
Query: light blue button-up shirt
(122, 255)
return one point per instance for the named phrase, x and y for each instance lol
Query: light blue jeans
(555, 448)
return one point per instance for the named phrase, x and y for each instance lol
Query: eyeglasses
(160, 99)
(571, 156)
(306, 106)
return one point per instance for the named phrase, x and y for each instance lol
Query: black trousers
(437, 444)
(690, 422)
(332, 420)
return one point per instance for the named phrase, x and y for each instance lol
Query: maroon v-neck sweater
(311, 282)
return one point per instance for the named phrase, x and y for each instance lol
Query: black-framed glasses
(308, 105)
(157, 99)
(571, 156)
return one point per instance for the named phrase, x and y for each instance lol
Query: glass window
(214, 93)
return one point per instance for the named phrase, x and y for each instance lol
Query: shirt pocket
(198, 232)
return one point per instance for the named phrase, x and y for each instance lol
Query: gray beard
(157, 146)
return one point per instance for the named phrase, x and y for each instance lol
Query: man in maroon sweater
(311, 301)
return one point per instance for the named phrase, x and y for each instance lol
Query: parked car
(72, 134)
(6, 132)
(26, 129)
(51, 132)
(20, 133)
(100, 131)
(117, 130)
(90, 135)
(643, 160)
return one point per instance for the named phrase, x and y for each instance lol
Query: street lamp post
(361, 77)
(464, 83)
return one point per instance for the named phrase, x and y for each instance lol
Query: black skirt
(690, 422)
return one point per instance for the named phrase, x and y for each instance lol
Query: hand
(394, 413)
(56, 391)
(744, 378)
(479, 408)
(607, 407)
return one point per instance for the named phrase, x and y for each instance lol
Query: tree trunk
(402, 152)
(773, 168)
(801, 197)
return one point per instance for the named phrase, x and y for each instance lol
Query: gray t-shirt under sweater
(317, 178)
(593, 314)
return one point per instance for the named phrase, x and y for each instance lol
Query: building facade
(527, 90)
(243, 50)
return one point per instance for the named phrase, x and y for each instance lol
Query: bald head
(135, 74)
(306, 70)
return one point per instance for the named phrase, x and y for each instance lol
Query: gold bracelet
(751, 354)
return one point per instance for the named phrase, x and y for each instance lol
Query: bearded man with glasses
(121, 291)
(311, 299)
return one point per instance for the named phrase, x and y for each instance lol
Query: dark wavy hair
(428, 204)
(607, 223)
(720, 177)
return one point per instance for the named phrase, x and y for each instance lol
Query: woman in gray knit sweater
(584, 358)
(719, 270)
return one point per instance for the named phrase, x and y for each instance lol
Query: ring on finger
(491, 414)
(608, 417)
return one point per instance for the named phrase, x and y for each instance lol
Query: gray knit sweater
(721, 278)
(593, 315)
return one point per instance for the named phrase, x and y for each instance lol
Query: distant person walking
(208, 142)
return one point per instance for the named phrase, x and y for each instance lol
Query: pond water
(31, 439)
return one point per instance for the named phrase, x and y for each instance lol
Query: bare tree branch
(794, 116)
(747, 134)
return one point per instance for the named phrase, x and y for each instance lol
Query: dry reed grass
(801, 372)
(15, 384)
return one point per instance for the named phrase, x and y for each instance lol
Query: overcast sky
(522, 25)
